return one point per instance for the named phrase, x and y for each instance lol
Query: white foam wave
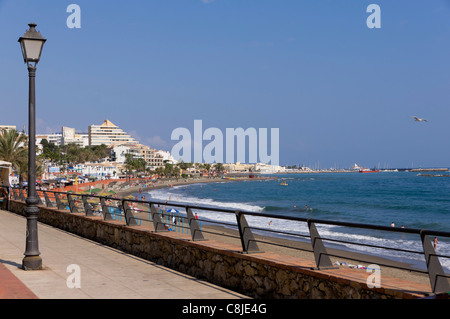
(166, 194)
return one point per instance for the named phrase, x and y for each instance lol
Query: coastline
(170, 183)
(301, 249)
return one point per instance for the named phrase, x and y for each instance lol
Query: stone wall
(244, 273)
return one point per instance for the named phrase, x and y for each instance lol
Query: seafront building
(55, 138)
(152, 157)
(7, 127)
(238, 167)
(119, 144)
(99, 171)
(105, 170)
(109, 134)
(69, 136)
(264, 168)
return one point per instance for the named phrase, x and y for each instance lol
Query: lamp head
(32, 43)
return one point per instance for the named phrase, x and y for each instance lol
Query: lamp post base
(32, 263)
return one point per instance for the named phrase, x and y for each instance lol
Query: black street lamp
(31, 44)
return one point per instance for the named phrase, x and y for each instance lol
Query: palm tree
(219, 168)
(13, 146)
(13, 149)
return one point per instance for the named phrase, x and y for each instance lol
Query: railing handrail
(249, 243)
(258, 214)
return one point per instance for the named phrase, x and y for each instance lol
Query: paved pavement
(105, 273)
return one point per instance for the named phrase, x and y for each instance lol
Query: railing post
(105, 211)
(196, 233)
(157, 222)
(247, 239)
(59, 204)
(9, 190)
(87, 207)
(21, 194)
(72, 206)
(39, 198)
(130, 220)
(14, 193)
(48, 202)
(439, 283)
(323, 261)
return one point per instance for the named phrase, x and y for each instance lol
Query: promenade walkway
(105, 273)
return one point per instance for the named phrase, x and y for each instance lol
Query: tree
(13, 146)
(219, 167)
(129, 165)
(160, 171)
(135, 164)
(50, 151)
(13, 149)
(168, 169)
(207, 167)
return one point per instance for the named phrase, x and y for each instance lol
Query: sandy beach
(136, 186)
(295, 248)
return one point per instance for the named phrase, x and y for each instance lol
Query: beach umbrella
(172, 210)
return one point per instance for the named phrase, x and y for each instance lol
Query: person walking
(435, 242)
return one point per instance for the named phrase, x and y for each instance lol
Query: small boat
(367, 170)
(284, 184)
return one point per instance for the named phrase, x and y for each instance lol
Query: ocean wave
(273, 208)
(167, 194)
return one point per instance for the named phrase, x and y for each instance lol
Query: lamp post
(31, 44)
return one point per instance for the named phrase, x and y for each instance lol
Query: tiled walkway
(106, 273)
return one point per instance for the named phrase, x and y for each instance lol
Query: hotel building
(109, 134)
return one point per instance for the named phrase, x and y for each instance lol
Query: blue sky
(338, 91)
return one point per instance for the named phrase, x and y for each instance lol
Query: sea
(405, 199)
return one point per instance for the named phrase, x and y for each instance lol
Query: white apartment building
(107, 133)
(100, 171)
(69, 136)
(268, 169)
(55, 138)
(153, 157)
(166, 157)
(118, 152)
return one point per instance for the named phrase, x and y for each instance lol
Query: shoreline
(281, 245)
(170, 183)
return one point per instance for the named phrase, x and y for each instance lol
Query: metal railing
(160, 218)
